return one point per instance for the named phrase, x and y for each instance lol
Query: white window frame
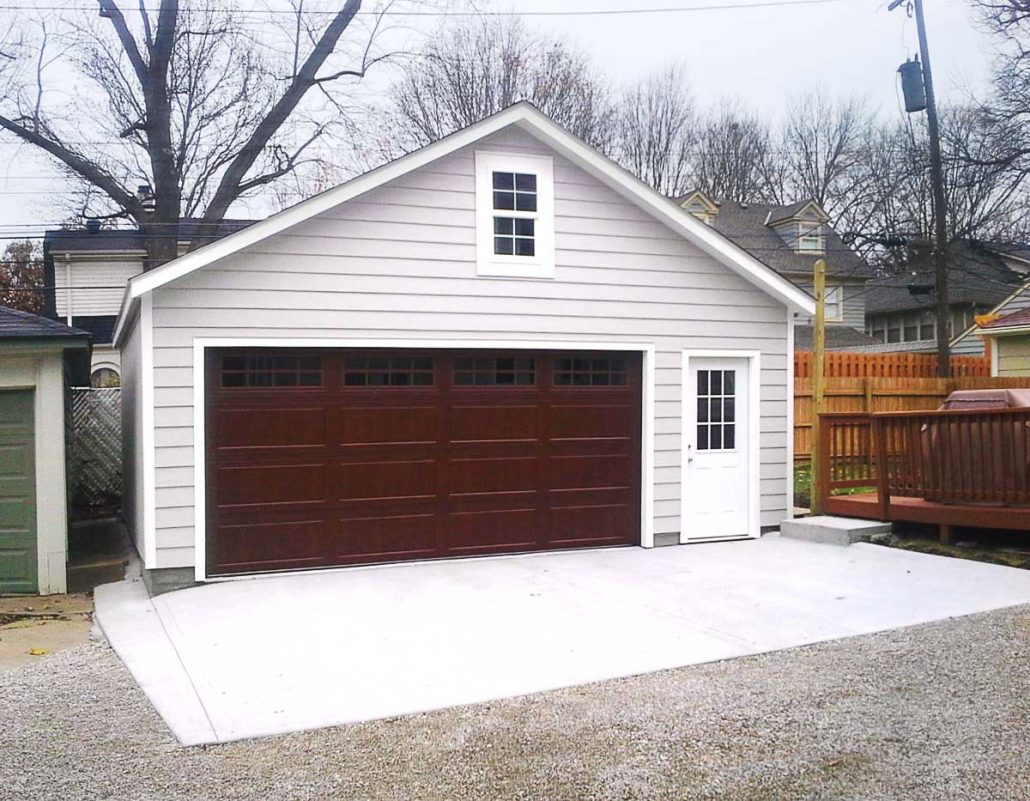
(810, 237)
(490, 264)
(835, 310)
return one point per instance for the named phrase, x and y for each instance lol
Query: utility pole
(940, 245)
(818, 388)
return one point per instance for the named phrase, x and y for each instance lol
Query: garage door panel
(389, 536)
(492, 475)
(604, 470)
(592, 523)
(272, 428)
(272, 484)
(493, 423)
(497, 530)
(385, 480)
(274, 543)
(407, 425)
(588, 422)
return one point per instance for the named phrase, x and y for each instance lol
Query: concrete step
(833, 530)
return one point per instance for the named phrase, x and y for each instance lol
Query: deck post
(947, 534)
(883, 498)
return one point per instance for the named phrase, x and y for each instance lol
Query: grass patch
(977, 552)
(803, 486)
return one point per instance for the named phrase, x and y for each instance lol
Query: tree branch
(109, 9)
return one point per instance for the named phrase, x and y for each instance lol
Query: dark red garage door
(321, 458)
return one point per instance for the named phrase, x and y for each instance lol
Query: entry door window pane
(716, 410)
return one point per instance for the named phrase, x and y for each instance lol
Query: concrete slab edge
(127, 619)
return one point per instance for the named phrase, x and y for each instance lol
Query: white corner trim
(993, 341)
(201, 344)
(146, 324)
(538, 125)
(489, 264)
(790, 415)
(754, 420)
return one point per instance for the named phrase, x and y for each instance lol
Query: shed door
(321, 458)
(18, 571)
(717, 491)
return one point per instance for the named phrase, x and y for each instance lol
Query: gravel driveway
(940, 711)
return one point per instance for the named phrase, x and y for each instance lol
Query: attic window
(514, 216)
(810, 237)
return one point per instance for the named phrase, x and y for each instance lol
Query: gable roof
(976, 275)
(529, 119)
(1017, 320)
(128, 240)
(748, 225)
(782, 214)
(22, 325)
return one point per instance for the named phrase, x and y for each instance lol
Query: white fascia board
(540, 126)
(1002, 332)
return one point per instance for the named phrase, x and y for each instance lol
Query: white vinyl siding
(1013, 355)
(95, 287)
(400, 262)
(132, 436)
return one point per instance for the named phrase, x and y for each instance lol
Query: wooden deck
(951, 468)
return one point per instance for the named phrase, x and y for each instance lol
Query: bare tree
(656, 120)
(477, 66)
(731, 156)
(821, 147)
(201, 104)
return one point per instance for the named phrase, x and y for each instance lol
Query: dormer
(802, 226)
(700, 205)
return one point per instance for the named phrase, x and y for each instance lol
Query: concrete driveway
(255, 657)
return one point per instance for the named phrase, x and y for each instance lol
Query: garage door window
(388, 371)
(602, 372)
(254, 372)
(510, 371)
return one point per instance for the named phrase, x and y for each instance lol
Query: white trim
(790, 415)
(490, 264)
(1006, 331)
(754, 359)
(146, 323)
(536, 124)
(994, 355)
(200, 344)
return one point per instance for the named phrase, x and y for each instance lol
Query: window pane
(702, 437)
(504, 225)
(494, 371)
(525, 247)
(716, 382)
(504, 246)
(702, 382)
(525, 182)
(504, 180)
(730, 382)
(716, 410)
(729, 410)
(715, 439)
(524, 227)
(524, 202)
(729, 436)
(504, 200)
(702, 410)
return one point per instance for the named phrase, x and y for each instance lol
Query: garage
(318, 458)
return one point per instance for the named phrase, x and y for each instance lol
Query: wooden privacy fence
(839, 364)
(878, 395)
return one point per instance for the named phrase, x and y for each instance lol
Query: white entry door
(717, 495)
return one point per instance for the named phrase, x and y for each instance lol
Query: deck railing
(979, 457)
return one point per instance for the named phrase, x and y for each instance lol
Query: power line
(612, 12)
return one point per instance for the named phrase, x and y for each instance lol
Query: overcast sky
(758, 55)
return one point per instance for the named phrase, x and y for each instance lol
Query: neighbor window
(514, 215)
(810, 237)
(834, 303)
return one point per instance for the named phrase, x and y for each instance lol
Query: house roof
(747, 224)
(837, 336)
(20, 325)
(529, 119)
(106, 240)
(780, 214)
(976, 275)
(101, 327)
(1018, 319)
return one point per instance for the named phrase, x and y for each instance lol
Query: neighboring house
(490, 345)
(983, 279)
(38, 358)
(85, 272)
(1010, 343)
(791, 239)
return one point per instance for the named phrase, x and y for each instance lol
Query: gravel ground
(940, 711)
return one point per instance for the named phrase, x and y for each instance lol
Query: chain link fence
(95, 451)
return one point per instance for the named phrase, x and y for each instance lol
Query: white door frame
(688, 434)
(200, 344)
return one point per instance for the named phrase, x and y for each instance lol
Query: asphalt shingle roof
(745, 224)
(1019, 318)
(837, 336)
(119, 239)
(975, 276)
(15, 324)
